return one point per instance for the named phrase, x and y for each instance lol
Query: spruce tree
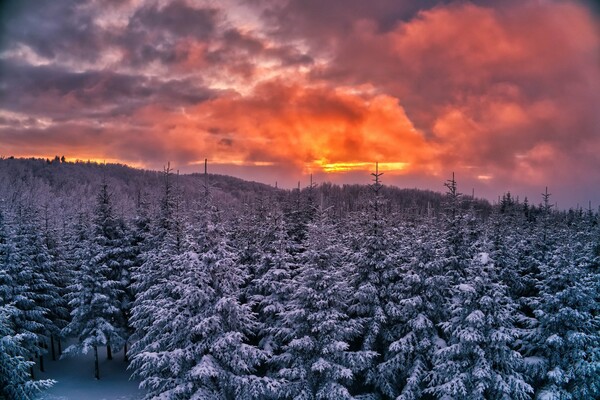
(269, 290)
(15, 380)
(225, 361)
(195, 344)
(372, 272)
(419, 299)
(31, 292)
(152, 285)
(316, 361)
(97, 316)
(478, 361)
(6, 248)
(564, 348)
(59, 277)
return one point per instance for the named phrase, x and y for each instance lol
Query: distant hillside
(76, 183)
(70, 187)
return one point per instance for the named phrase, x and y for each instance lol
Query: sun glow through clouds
(358, 166)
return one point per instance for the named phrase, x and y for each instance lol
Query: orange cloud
(502, 83)
(314, 126)
(307, 128)
(294, 126)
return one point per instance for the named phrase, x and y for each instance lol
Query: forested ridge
(225, 289)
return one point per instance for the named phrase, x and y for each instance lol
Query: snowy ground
(75, 376)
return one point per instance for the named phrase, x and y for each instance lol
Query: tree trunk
(52, 348)
(42, 363)
(125, 358)
(59, 347)
(108, 351)
(96, 366)
(31, 371)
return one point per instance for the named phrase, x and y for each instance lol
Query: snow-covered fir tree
(478, 361)
(6, 248)
(153, 298)
(564, 347)
(15, 378)
(59, 276)
(316, 361)
(372, 271)
(419, 299)
(196, 346)
(270, 287)
(31, 293)
(97, 294)
(15, 368)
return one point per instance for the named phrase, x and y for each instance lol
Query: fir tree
(140, 241)
(316, 361)
(196, 346)
(6, 247)
(478, 361)
(370, 302)
(20, 268)
(223, 349)
(59, 277)
(153, 286)
(270, 287)
(564, 348)
(15, 381)
(32, 293)
(97, 316)
(419, 299)
(456, 235)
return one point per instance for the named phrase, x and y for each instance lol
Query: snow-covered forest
(217, 288)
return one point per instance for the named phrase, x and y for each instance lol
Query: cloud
(505, 94)
(64, 95)
(487, 85)
(326, 24)
(51, 30)
(284, 124)
(294, 124)
(156, 33)
(177, 19)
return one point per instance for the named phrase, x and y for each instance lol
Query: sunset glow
(360, 166)
(505, 94)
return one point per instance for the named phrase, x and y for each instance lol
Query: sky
(505, 94)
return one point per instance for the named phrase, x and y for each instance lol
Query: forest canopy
(222, 288)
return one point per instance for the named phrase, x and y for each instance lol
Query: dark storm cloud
(153, 32)
(243, 49)
(325, 23)
(52, 29)
(177, 18)
(61, 94)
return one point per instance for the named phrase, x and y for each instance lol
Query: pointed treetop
(376, 187)
(451, 185)
(546, 199)
(206, 187)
